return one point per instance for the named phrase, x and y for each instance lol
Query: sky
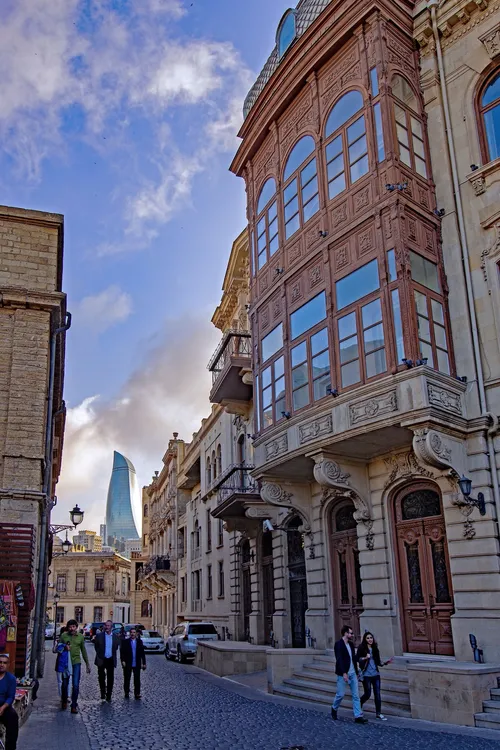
(122, 115)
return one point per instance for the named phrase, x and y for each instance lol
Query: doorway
(267, 585)
(424, 572)
(246, 587)
(346, 573)
(297, 582)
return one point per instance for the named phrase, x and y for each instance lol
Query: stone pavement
(184, 708)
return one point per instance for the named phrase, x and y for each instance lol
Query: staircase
(489, 718)
(317, 682)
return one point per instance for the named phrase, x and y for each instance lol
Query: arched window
(145, 608)
(300, 195)
(347, 149)
(287, 32)
(209, 472)
(267, 238)
(214, 466)
(490, 117)
(219, 460)
(145, 511)
(409, 129)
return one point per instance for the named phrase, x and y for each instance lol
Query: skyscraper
(123, 500)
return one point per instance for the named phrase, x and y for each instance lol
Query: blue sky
(122, 115)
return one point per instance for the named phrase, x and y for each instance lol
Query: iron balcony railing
(159, 562)
(234, 344)
(236, 480)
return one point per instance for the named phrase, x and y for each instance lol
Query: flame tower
(123, 499)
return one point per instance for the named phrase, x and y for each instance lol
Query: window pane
(421, 302)
(280, 407)
(492, 125)
(379, 132)
(400, 115)
(262, 259)
(261, 243)
(346, 107)
(398, 325)
(299, 153)
(359, 169)
(273, 228)
(402, 135)
(309, 190)
(279, 367)
(426, 353)
(308, 172)
(424, 272)
(371, 313)
(418, 147)
(319, 341)
(347, 325)
(443, 361)
(292, 226)
(437, 312)
(336, 186)
(440, 336)
(290, 191)
(349, 349)
(334, 148)
(375, 363)
(374, 337)
(402, 89)
(321, 385)
(267, 397)
(492, 91)
(335, 167)
(357, 149)
(272, 211)
(299, 376)
(301, 397)
(374, 81)
(320, 364)
(391, 262)
(424, 330)
(267, 417)
(404, 155)
(299, 354)
(272, 342)
(261, 227)
(311, 208)
(279, 389)
(291, 208)
(274, 245)
(266, 377)
(420, 166)
(357, 285)
(356, 130)
(350, 373)
(267, 192)
(308, 315)
(416, 128)
(257, 402)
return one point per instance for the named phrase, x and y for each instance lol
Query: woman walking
(369, 663)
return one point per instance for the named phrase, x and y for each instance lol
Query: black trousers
(127, 674)
(106, 674)
(10, 720)
(368, 683)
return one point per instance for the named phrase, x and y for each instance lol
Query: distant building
(90, 541)
(123, 500)
(103, 533)
(132, 545)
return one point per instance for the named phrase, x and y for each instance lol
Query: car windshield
(150, 634)
(202, 629)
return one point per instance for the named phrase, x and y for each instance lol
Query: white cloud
(101, 311)
(167, 393)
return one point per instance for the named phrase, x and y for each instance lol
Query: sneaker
(381, 717)
(361, 720)
(64, 705)
(74, 710)
(334, 714)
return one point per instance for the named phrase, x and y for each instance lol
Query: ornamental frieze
(373, 407)
(276, 447)
(315, 429)
(444, 399)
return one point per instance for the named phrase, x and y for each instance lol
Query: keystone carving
(328, 473)
(404, 465)
(491, 41)
(430, 449)
(362, 514)
(373, 407)
(478, 184)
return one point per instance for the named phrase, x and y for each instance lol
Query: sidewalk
(48, 726)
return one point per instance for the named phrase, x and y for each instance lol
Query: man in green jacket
(77, 649)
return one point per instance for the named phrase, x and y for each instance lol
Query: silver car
(183, 640)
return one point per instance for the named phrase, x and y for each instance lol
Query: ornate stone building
(373, 192)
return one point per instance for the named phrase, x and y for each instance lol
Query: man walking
(346, 669)
(106, 645)
(133, 659)
(8, 714)
(77, 650)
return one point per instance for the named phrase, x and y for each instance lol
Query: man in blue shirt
(106, 646)
(133, 659)
(8, 715)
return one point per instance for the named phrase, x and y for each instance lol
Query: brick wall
(28, 255)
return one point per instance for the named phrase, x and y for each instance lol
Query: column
(318, 617)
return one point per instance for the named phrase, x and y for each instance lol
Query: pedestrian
(77, 651)
(106, 645)
(369, 662)
(55, 647)
(346, 669)
(8, 714)
(63, 666)
(133, 659)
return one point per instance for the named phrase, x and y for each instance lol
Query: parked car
(94, 628)
(86, 630)
(49, 631)
(183, 640)
(152, 641)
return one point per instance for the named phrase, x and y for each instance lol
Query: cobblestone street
(184, 708)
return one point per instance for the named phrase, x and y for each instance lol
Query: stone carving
(444, 399)
(274, 494)
(339, 215)
(276, 308)
(423, 197)
(362, 199)
(352, 74)
(315, 275)
(373, 407)
(430, 448)
(412, 230)
(276, 447)
(265, 318)
(264, 283)
(254, 512)
(365, 241)
(294, 252)
(387, 227)
(342, 256)
(313, 235)
(328, 472)
(429, 240)
(361, 514)
(296, 292)
(491, 41)
(478, 184)
(339, 70)
(404, 465)
(315, 429)
(494, 249)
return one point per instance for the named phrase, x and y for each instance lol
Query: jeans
(77, 671)
(127, 673)
(341, 688)
(10, 720)
(106, 674)
(367, 684)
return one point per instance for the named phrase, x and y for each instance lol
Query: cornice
(19, 297)
(455, 19)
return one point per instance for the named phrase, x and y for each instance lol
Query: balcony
(231, 370)
(157, 573)
(236, 492)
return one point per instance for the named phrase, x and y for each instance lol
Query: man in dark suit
(106, 645)
(346, 669)
(133, 659)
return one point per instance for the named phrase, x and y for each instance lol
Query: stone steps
(489, 717)
(326, 699)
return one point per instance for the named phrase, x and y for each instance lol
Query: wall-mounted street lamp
(465, 485)
(76, 515)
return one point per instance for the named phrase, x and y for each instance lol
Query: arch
(219, 460)
(267, 192)
(303, 148)
(403, 90)
(209, 471)
(487, 103)
(145, 608)
(342, 111)
(214, 466)
(286, 32)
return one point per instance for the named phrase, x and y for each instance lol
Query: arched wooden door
(347, 595)
(297, 582)
(424, 572)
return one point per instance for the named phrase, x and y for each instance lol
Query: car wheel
(180, 658)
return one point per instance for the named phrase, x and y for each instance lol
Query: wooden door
(267, 585)
(424, 571)
(297, 583)
(347, 594)
(246, 587)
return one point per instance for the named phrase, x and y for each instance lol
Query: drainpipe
(47, 503)
(433, 6)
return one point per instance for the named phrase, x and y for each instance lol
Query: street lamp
(465, 485)
(56, 602)
(76, 515)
